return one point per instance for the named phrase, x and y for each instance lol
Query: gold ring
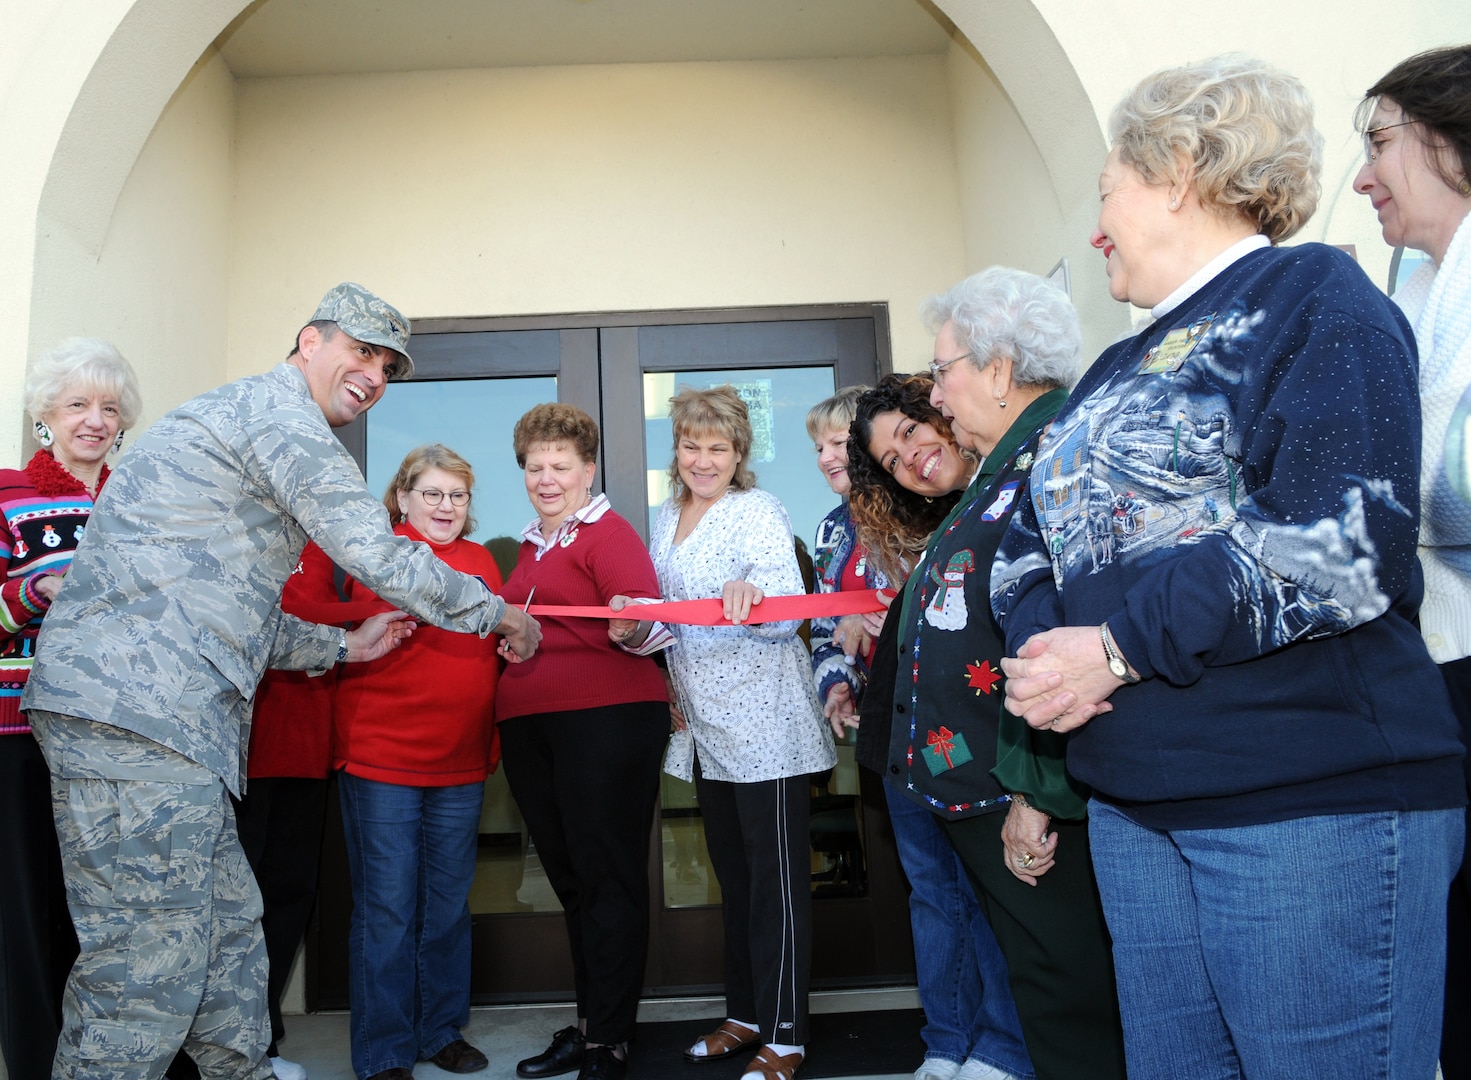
(1026, 860)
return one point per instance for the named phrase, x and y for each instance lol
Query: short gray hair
(89, 364)
(835, 413)
(1006, 312)
(1243, 126)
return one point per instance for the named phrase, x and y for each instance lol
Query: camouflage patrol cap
(369, 318)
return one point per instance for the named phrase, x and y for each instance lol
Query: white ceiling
(316, 37)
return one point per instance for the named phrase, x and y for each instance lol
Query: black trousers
(1455, 1035)
(586, 782)
(757, 838)
(280, 822)
(1057, 949)
(37, 942)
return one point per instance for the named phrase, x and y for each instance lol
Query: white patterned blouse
(745, 690)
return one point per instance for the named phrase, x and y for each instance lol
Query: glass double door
(473, 380)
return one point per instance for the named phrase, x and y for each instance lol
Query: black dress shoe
(460, 1057)
(563, 1056)
(393, 1074)
(602, 1063)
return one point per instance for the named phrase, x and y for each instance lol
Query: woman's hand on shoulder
(739, 598)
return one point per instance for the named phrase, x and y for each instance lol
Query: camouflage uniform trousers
(166, 908)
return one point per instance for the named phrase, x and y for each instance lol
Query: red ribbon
(712, 612)
(942, 741)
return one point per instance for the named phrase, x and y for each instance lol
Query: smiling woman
(1222, 512)
(1416, 122)
(751, 731)
(81, 395)
(413, 765)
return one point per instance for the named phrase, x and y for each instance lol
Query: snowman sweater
(45, 511)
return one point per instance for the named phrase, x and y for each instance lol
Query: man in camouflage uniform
(140, 695)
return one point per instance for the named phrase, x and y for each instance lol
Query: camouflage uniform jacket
(171, 610)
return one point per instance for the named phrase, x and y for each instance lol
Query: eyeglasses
(1371, 153)
(433, 496)
(937, 370)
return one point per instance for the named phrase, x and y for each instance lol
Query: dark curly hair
(892, 522)
(1433, 88)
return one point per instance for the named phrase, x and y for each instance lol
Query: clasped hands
(1060, 679)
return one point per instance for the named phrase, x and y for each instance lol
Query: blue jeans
(411, 852)
(1311, 947)
(963, 984)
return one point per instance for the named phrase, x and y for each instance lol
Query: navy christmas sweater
(1235, 490)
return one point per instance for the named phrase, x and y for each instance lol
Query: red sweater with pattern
(45, 511)
(576, 665)
(424, 715)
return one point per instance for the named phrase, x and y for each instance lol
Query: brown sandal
(767, 1065)
(725, 1041)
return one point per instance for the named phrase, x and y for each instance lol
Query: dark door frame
(598, 360)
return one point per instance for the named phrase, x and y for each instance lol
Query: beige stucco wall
(157, 288)
(596, 188)
(1012, 212)
(83, 82)
(1337, 47)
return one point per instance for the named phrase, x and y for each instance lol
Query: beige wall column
(85, 82)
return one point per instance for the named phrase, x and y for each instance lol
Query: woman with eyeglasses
(972, 797)
(414, 737)
(1416, 123)
(1213, 587)
(583, 726)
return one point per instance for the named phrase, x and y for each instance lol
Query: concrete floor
(507, 1034)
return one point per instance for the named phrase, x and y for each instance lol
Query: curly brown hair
(892, 522)
(559, 424)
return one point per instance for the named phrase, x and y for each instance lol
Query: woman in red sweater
(415, 740)
(584, 724)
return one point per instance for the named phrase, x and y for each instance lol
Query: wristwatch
(1116, 662)
(342, 649)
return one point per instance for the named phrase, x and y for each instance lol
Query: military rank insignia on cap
(369, 318)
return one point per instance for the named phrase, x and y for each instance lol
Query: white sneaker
(937, 1068)
(979, 1070)
(287, 1070)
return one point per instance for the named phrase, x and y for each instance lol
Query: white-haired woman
(1214, 586)
(82, 395)
(957, 766)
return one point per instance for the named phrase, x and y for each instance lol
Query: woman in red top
(415, 740)
(584, 724)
